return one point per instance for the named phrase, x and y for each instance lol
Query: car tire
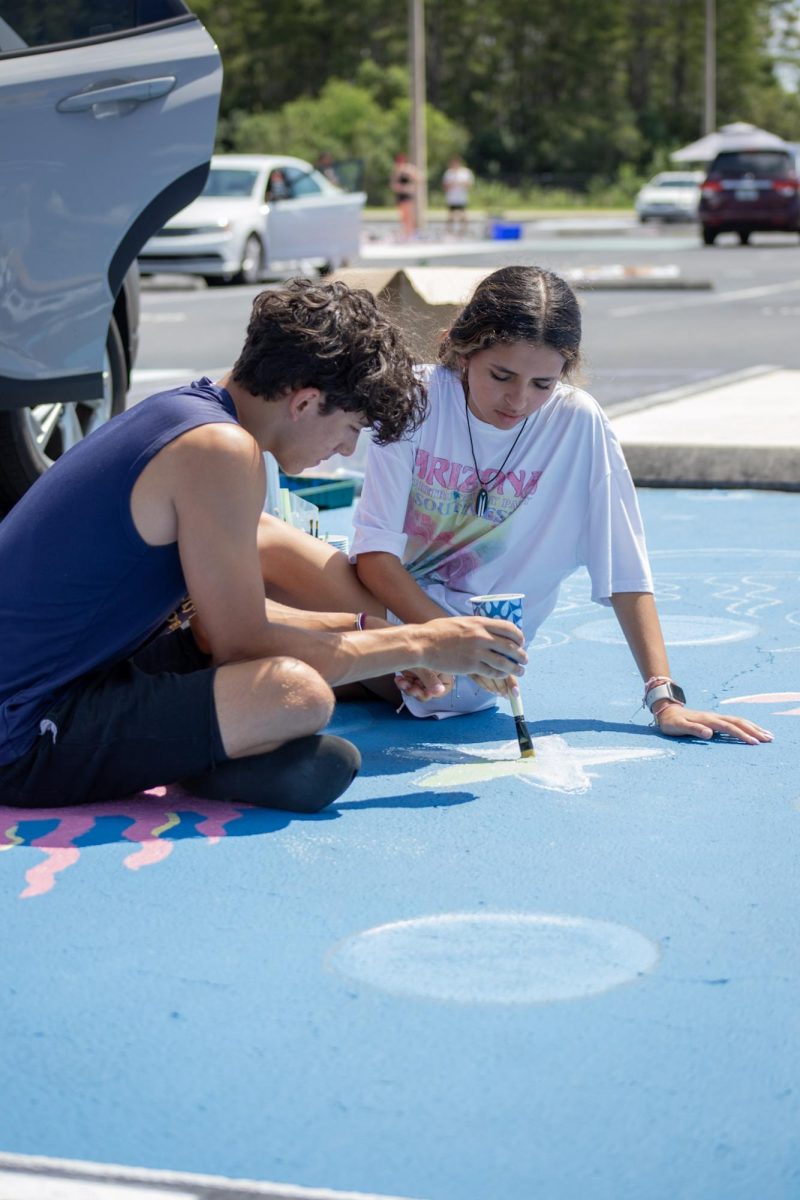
(709, 236)
(216, 280)
(32, 438)
(744, 237)
(251, 269)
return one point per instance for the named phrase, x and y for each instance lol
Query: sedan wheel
(31, 439)
(252, 267)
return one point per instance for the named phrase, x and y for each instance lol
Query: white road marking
(684, 301)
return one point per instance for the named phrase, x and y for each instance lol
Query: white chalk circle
(547, 639)
(678, 631)
(495, 958)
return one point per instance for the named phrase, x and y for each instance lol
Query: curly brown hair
(335, 338)
(517, 304)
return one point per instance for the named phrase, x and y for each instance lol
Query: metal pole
(710, 112)
(417, 138)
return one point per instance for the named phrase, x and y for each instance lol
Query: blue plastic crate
(505, 231)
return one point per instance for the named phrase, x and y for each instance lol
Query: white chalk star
(557, 767)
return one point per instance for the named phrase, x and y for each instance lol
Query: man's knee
(262, 703)
(305, 689)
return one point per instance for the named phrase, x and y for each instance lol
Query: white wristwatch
(665, 691)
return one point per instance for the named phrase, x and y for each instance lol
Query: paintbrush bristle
(524, 738)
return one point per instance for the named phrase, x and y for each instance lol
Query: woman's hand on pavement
(677, 721)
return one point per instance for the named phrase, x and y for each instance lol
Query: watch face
(677, 693)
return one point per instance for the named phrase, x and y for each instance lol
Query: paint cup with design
(503, 606)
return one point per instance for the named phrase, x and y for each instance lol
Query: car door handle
(117, 98)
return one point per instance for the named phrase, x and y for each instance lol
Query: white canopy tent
(738, 136)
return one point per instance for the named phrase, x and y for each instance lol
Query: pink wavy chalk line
(149, 821)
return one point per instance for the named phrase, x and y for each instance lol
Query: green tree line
(567, 93)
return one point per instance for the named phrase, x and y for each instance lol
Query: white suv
(108, 112)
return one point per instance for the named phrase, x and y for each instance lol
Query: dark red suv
(749, 191)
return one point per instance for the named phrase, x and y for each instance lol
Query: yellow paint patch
(172, 820)
(478, 772)
(11, 839)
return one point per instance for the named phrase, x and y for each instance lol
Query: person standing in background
(403, 182)
(326, 165)
(457, 181)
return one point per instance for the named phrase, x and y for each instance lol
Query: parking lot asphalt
(473, 977)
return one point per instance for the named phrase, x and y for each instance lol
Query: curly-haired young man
(111, 681)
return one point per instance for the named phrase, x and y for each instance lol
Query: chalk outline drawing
(508, 958)
(557, 767)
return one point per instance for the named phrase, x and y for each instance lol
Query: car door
(317, 221)
(106, 130)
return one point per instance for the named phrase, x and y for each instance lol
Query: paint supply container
(503, 606)
(339, 541)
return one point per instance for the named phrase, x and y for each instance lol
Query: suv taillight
(712, 185)
(785, 187)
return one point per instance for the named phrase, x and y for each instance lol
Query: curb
(35, 1177)
(641, 285)
(680, 449)
(766, 468)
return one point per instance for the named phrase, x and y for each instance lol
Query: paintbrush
(526, 749)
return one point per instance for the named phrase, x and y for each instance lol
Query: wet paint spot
(495, 958)
(678, 631)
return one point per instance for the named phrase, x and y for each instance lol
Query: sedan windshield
(230, 182)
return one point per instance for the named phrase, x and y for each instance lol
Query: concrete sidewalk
(744, 431)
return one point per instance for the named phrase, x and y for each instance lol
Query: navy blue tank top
(79, 588)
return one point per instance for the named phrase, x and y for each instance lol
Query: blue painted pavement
(473, 978)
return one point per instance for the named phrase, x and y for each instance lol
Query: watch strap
(665, 691)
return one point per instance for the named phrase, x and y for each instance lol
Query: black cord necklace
(482, 498)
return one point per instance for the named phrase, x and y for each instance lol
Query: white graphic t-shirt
(564, 499)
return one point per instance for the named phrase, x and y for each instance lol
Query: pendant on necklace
(481, 502)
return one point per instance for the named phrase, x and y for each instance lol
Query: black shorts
(456, 207)
(148, 721)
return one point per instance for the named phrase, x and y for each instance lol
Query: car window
(230, 181)
(302, 183)
(52, 22)
(760, 164)
(676, 183)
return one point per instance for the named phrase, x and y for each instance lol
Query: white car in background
(258, 213)
(670, 196)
